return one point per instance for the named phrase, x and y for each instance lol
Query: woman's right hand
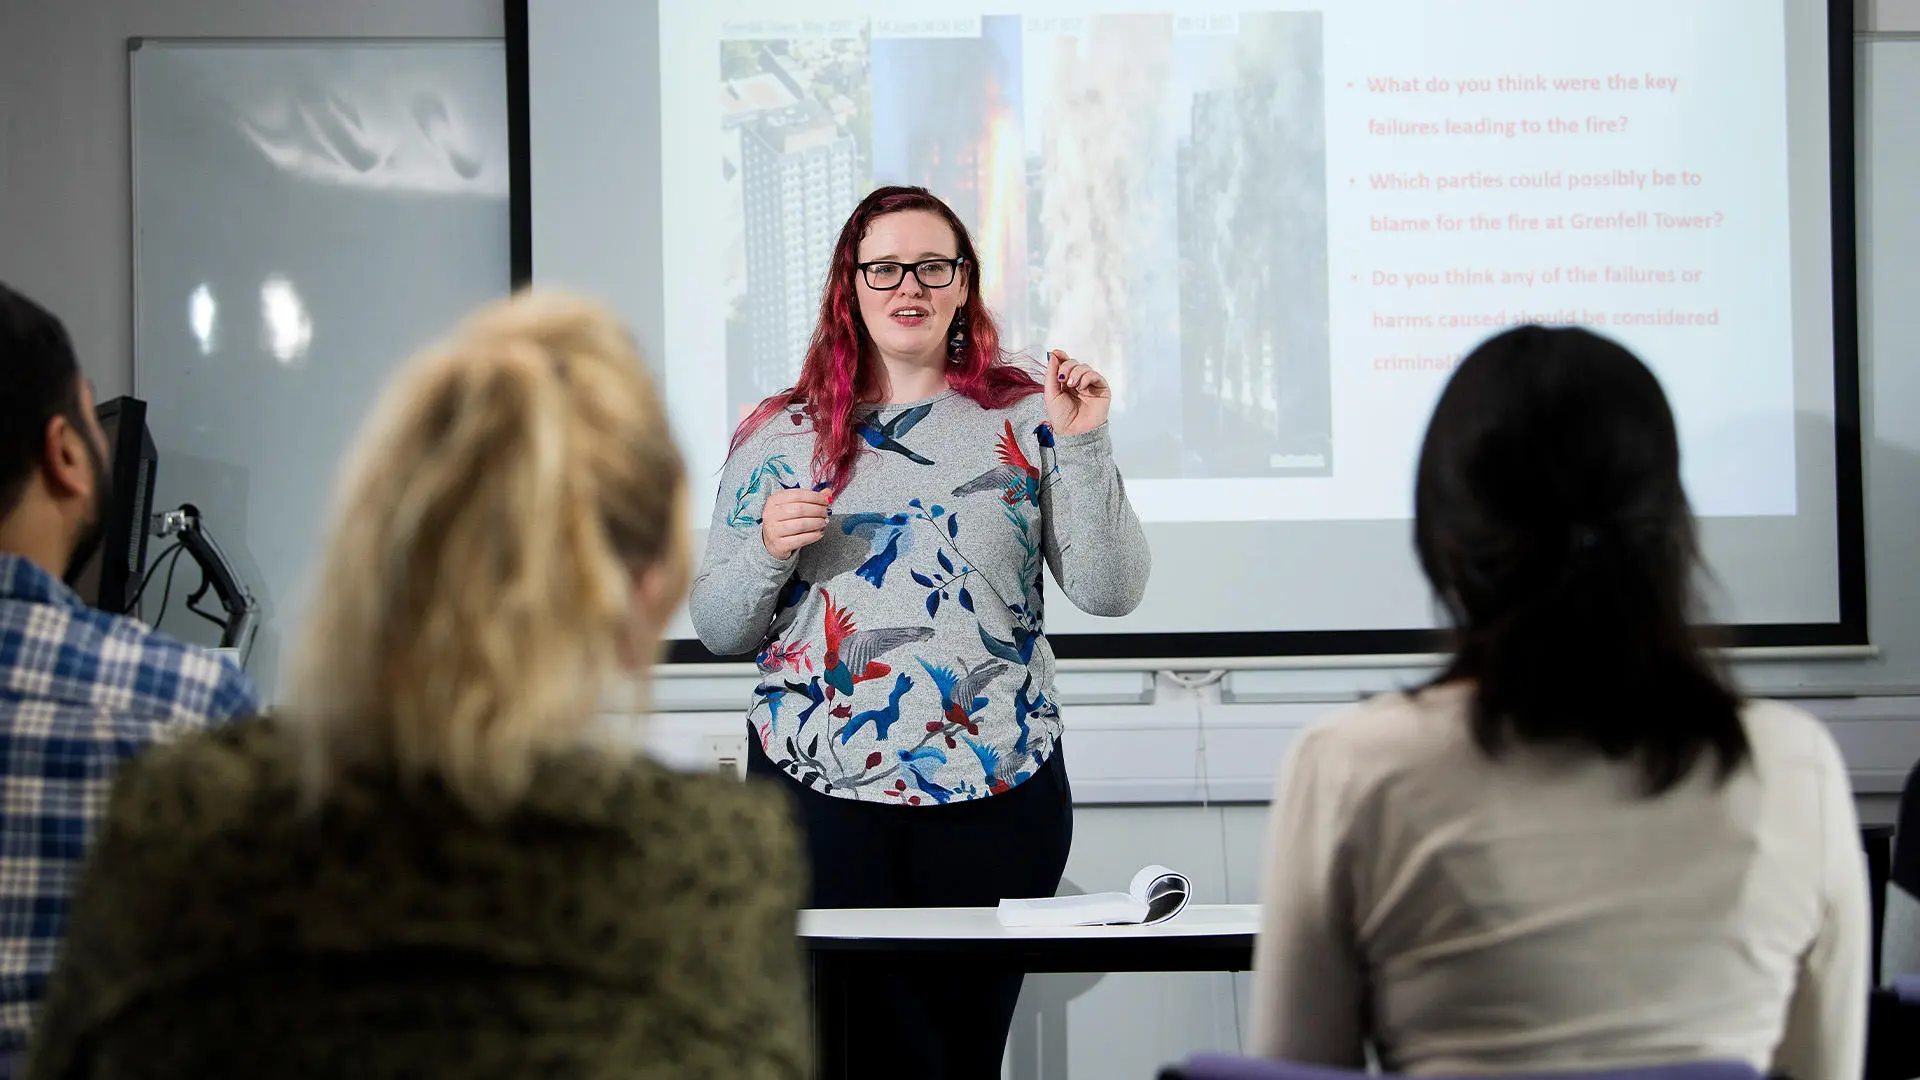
(792, 519)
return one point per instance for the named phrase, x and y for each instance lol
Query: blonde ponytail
(477, 595)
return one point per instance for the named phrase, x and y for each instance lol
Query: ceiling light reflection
(203, 318)
(285, 327)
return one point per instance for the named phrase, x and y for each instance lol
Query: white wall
(64, 197)
(1888, 16)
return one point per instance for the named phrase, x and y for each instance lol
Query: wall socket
(726, 753)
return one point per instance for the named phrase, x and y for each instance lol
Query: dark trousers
(933, 1020)
(1893, 1038)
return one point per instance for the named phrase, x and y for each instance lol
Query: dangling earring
(957, 344)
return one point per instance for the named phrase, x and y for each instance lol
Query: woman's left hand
(1078, 397)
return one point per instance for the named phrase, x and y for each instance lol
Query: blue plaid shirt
(80, 692)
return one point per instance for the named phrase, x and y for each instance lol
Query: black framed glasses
(930, 273)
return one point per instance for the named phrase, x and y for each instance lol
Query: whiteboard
(306, 215)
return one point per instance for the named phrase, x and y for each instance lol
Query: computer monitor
(111, 578)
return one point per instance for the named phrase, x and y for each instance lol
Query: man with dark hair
(81, 691)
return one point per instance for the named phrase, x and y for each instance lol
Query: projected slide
(1277, 228)
(1275, 231)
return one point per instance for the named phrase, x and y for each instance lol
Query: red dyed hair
(841, 372)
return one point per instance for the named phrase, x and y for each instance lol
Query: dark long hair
(841, 374)
(1551, 522)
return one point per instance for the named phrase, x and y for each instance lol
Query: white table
(974, 925)
(844, 942)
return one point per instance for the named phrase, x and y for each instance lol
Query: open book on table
(1156, 895)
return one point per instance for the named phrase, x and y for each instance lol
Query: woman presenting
(878, 539)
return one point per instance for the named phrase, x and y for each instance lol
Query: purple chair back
(1229, 1067)
(1907, 988)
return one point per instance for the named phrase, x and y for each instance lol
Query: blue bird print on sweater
(887, 436)
(960, 696)
(883, 718)
(888, 536)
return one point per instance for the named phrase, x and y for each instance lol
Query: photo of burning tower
(946, 117)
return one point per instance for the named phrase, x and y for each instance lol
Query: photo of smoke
(796, 119)
(1106, 244)
(1145, 193)
(1251, 164)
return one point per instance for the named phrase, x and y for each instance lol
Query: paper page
(1162, 893)
(1093, 909)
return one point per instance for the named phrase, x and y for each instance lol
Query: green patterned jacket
(625, 921)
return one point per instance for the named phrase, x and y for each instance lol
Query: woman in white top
(1577, 848)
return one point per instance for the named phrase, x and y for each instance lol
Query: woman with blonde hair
(427, 863)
